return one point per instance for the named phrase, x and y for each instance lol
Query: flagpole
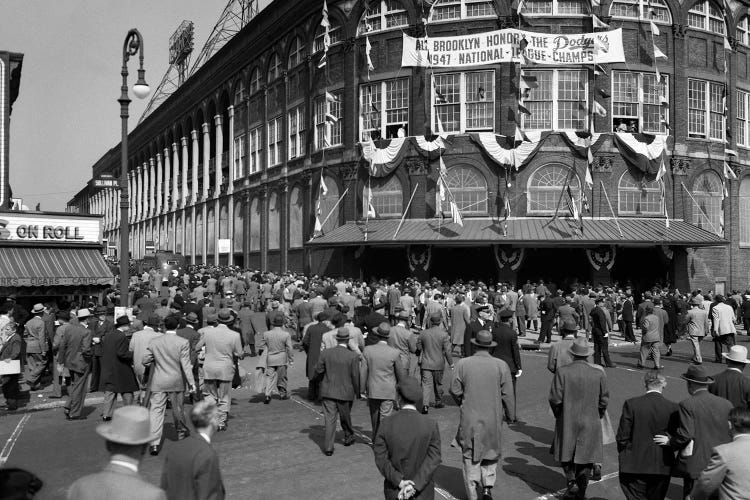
(406, 211)
(699, 207)
(617, 222)
(559, 200)
(334, 207)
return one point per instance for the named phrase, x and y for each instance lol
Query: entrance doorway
(558, 267)
(642, 268)
(465, 263)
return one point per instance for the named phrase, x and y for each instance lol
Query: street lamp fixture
(133, 45)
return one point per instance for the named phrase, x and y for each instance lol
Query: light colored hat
(737, 353)
(130, 425)
(83, 313)
(38, 308)
(580, 347)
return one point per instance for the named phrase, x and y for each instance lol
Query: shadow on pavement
(451, 480)
(539, 478)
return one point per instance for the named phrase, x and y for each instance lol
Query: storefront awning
(525, 231)
(49, 267)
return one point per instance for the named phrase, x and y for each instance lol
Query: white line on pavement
(560, 493)
(11, 442)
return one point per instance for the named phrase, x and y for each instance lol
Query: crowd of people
(391, 343)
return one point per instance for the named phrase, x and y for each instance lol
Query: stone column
(232, 159)
(166, 186)
(130, 195)
(159, 192)
(137, 193)
(263, 204)
(144, 191)
(196, 161)
(206, 160)
(173, 206)
(151, 199)
(219, 149)
(284, 226)
(184, 170)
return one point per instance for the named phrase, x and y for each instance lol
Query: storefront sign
(225, 246)
(105, 183)
(501, 46)
(48, 229)
(48, 281)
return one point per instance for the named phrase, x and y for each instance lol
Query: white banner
(493, 47)
(27, 226)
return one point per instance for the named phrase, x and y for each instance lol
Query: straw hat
(130, 425)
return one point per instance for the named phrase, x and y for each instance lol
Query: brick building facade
(257, 109)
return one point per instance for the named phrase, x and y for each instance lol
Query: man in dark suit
(371, 322)
(407, 449)
(628, 318)
(507, 346)
(483, 322)
(702, 425)
(600, 334)
(547, 310)
(117, 376)
(732, 384)
(645, 466)
(193, 307)
(75, 355)
(311, 343)
(338, 369)
(100, 326)
(435, 346)
(191, 468)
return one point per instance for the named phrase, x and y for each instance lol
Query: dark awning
(525, 231)
(46, 267)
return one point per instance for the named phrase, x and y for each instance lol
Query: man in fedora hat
(191, 467)
(600, 333)
(407, 449)
(732, 384)
(126, 437)
(578, 398)
(223, 347)
(117, 375)
(100, 326)
(35, 337)
(75, 355)
(169, 358)
(697, 328)
(139, 342)
(277, 342)
(507, 345)
(651, 328)
(475, 384)
(338, 371)
(189, 332)
(435, 347)
(483, 322)
(380, 371)
(405, 341)
(702, 425)
(559, 352)
(312, 343)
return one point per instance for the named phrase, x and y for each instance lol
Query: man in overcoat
(311, 343)
(380, 371)
(600, 333)
(75, 355)
(732, 384)
(578, 398)
(435, 347)
(117, 375)
(483, 388)
(628, 318)
(644, 465)
(507, 345)
(559, 352)
(460, 318)
(277, 343)
(482, 323)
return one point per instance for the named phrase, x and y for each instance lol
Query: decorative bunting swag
(506, 150)
(642, 151)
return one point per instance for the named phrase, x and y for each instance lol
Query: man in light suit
(139, 342)
(460, 318)
(191, 468)
(126, 437)
(697, 328)
(644, 465)
(728, 470)
(723, 329)
(559, 352)
(169, 359)
(650, 337)
(380, 371)
(407, 449)
(338, 370)
(278, 344)
(435, 346)
(223, 346)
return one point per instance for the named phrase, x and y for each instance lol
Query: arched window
(639, 197)
(449, 10)
(198, 235)
(708, 192)
(255, 225)
(387, 197)
(178, 236)
(554, 7)
(745, 212)
(546, 185)
(254, 81)
(707, 16)
(274, 221)
(189, 236)
(274, 67)
(296, 199)
(239, 93)
(224, 221)
(334, 33)
(654, 10)
(327, 203)
(469, 188)
(210, 231)
(743, 31)
(168, 237)
(238, 238)
(383, 15)
(297, 53)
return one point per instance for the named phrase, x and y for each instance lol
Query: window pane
(745, 211)
(387, 198)
(448, 85)
(717, 111)
(696, 108)
(479, 8)
(741, 121)
(569, 7)
(397, 101)
(537, 7)
(545, 187)
(571, 100)
(707, 191)
(480, 97)
(624, 8)
(469, 189)
(539, 102)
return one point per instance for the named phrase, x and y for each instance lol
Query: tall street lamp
(133, 45)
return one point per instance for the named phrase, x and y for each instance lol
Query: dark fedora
(483, 339)
(383, 330)
(122, 320)
(191, 318)
(580, 348)
(410, 389)
(697, 374)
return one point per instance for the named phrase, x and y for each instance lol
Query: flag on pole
(529, 81)
(589, 179)
(440, 97)
(658, 54)
(599, 69)
(662, 170)
(331, 98)
(599, 109)
(654, 29)
(370, 207)
(326, 24)
(368, 49)
(331, 118)
(521, 136)
(523, 109)
(506, 206)
(727, 45)
(572, 203)
(728, 172)
(596, 3)
(456, 214)
(323, 188)
(441, 181)
(598, 23)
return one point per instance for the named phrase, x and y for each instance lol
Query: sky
(67, 115)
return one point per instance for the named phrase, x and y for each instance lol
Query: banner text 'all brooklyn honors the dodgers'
(500, 46)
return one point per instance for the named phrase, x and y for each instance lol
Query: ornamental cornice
(417, 166)
(603, 164)
(680, 165)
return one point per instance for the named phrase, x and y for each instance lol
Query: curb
(50, 405)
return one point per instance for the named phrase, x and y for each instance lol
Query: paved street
(274, 451)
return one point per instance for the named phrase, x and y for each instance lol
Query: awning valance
(48, 267)
(524, 231)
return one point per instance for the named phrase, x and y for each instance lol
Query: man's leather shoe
(106, 419)
(439, 405)
(55, 397)
(597, 474)
(349, 441)
(67, 412)
(486, 493)
(154, 449)
(222, 428)
(79, 417)
(328, 453)
(572, 488)
(267, 400)
(425, 408)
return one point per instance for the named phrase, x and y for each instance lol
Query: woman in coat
(10, 349)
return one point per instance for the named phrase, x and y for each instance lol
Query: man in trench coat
(117, 375)
(578, 398)
(483, 388)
